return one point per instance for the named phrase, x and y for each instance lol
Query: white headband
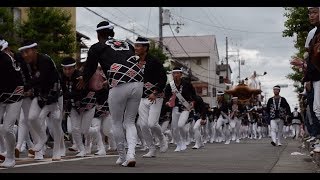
(142, 42)
(220, 93)
(235, 98)
(4, 44)
(68, 65)
(276, 88)
(27, 47)
(110, 26)
(177, 70)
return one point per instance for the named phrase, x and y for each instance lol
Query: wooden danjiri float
(244, 93)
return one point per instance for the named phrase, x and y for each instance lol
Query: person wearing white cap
(125, 76)
(278, 110)
(223, 118)
(23, 125)
(45, 83)
(179, 95)
(82, 104)
(155, 79)
(11, 95)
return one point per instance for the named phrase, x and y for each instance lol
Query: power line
(116, 24)
(158, 41)
(203, 10)
(230, 29)
(112, 21)
(184, 49)
(211, 13)
(147, 28)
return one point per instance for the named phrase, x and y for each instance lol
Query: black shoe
(294, 136)
(273, 144)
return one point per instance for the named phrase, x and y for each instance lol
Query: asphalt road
(248, 156)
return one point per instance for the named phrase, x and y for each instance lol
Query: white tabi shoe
(150, 154)
(163, 145)
(101, 152)
(8, 163)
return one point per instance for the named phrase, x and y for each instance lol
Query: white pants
(253, 130)
(210, 130)
(186, 132)
(37, 118)
(164, 126)
(296, 130)
(3, 149)
(215, 134)
(259, 131)
(197, 132)
(124, 101)
(191, 131)
(149, 114)
(107, 131)
(316, 101)
(205, 132)
(179, 120)
(24, 125)
(286, 131)
(165, 129)
(95, 133)
(69, 129)
(139, 133)
(51, 127)
(224, 132)
(235, 125)
(10, 113)
(80, 124)
(62, 145)
(276, 130)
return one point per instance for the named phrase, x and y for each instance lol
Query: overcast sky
(255, 31)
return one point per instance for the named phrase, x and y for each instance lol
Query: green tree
(156, 52)
(297, 24)
(7, 27)
(51, 28)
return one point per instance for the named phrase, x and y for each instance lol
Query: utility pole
(239, 66)
(227, 76)
(160, 28)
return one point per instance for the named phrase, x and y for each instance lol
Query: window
(221, 80)
(204, 91)
(198, 61)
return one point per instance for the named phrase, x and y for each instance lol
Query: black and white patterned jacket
(155, 76)
(11, 83)
(45, 80)
(275, 111)
(118, 61)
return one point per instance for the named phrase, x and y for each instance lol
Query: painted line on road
(49, 161)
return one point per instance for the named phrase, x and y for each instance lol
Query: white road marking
(49, 160)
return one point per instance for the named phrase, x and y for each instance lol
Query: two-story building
(199, 55)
